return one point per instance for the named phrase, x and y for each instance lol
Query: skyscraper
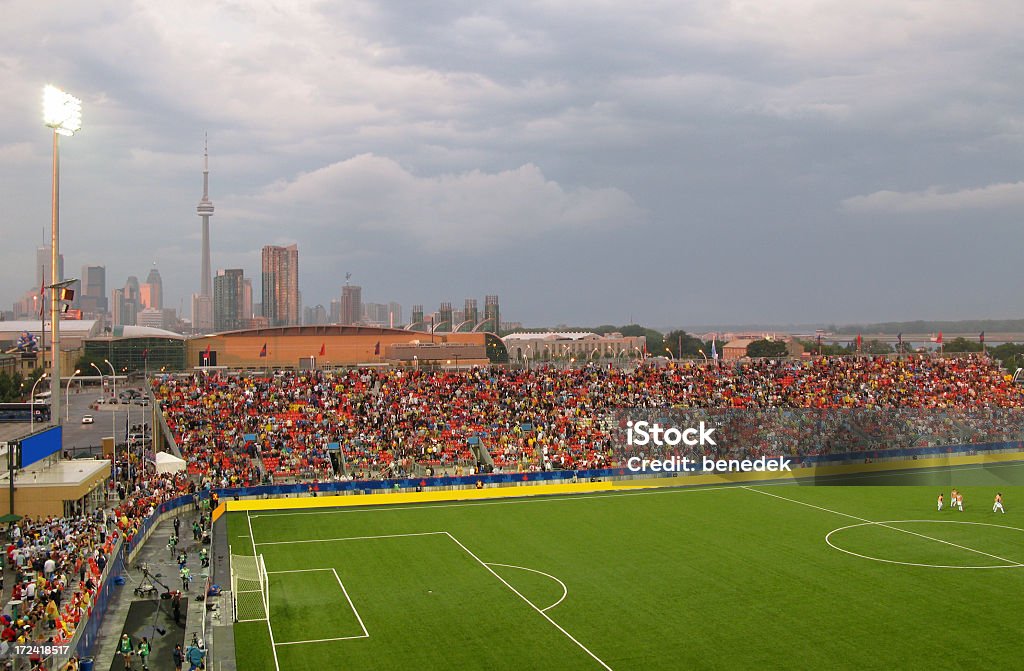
(247, 311)
(395, 314)
(228, 300)
(93, 301)
(125, 303)
(281, 285)
(444, 317)
(471, 314)
(202, 303)
(351, 304)
(44, 255)
(154, 290)
(492, 315)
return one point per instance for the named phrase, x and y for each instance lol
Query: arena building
(577, 345)
(295, 347)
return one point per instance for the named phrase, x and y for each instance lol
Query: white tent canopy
(168, 463)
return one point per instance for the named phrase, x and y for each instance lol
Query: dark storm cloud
(588, 161)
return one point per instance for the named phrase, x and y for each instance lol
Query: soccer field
(716, 577)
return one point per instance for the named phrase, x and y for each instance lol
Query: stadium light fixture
(63, 113)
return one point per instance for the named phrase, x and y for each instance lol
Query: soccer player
(959, 501)
(952, 499)
(998, 505)
(940, 502)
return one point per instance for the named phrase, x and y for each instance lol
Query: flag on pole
(42, 299)
(263, 351)
(939, 339)
(145, 353)
(323, 349)
(859, 341)
(376, 348)
(714, 350)
(981, 338)
(899, 342)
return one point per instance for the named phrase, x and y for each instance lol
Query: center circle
(883, 525)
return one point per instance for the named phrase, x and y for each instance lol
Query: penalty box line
(467, 551)
(344, 591)
(887, 526)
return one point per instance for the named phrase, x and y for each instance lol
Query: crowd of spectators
(55, 563)
(242, 429)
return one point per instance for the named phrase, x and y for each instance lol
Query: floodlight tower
(63, 113)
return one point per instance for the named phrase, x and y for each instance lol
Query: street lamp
(113, 377)
(67, 395)
(113, 412)
(669, 352)
(703, 355)
(32, 403)
(63, 113)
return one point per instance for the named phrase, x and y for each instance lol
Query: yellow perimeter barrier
(412, 497)
(349, 500)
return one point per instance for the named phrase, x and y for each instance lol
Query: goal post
(250, 591)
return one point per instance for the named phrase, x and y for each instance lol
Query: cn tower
(205, 211)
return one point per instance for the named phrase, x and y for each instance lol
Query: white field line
(349, 599)
(882, 524)
(270, 629)
(470, 553)
(681, 489)
(828, 539)
(543, 614)
(351, 538)
(565, 590)
(344, 591)
(537, 498)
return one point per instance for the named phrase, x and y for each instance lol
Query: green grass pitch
(710, 578)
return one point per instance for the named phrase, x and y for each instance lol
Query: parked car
(88, 419)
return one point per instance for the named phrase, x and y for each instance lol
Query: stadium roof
(323, 329)
(79, 327)
(143, 332)
(552, 335)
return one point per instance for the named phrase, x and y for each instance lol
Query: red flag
(858, 342)
(376, 348)
(939, 339)
(982, 337)
(207, 352)
(145, 353)
(42, 299)
(323, 349)
(263, 352)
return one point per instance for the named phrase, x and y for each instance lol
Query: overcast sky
(589, 162)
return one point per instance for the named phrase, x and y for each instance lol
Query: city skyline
(698, 162)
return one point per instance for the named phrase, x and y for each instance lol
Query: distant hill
(764, 328)
(920, 326)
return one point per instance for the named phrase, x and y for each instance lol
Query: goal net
(250, 594)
